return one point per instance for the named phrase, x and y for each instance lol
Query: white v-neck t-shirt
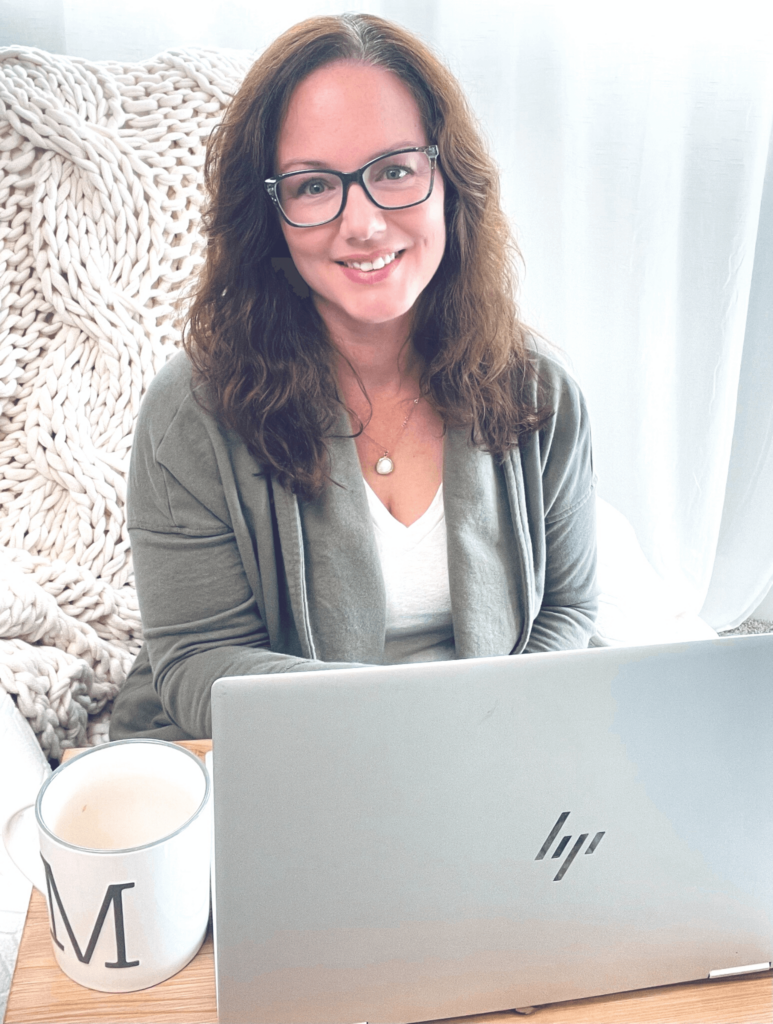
(414, 564)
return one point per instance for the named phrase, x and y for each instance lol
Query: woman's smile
(371, 270)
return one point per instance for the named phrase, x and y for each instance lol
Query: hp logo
(565, 840)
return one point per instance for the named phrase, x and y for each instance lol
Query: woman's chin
(377, 310)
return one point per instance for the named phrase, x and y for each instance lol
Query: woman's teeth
(375, 265)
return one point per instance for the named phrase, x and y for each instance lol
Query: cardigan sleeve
(566, 619)
(200, 614)
(567, 614)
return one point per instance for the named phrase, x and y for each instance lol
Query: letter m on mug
(114, 895)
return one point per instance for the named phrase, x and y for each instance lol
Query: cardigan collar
(334, 575)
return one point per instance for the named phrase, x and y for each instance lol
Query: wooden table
(41, 992)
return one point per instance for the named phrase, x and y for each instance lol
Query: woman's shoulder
(173, 406)
(175, 478)
(564, 442)
(174, 426)
(169, 390)
(553, 377)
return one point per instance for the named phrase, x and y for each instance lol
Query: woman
(364, 458)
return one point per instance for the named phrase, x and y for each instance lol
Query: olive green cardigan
(236, 575)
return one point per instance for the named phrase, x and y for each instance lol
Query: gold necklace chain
(386, 464)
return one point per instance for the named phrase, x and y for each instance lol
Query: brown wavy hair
(258, 342)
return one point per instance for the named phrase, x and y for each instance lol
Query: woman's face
(340, 117)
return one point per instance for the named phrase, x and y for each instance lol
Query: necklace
(386, 464)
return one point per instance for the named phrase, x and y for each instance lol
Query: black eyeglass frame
(271, 184)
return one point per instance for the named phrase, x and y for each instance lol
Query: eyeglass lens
(398, 179)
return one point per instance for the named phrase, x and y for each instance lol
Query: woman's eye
(394, 173)
(314, 187)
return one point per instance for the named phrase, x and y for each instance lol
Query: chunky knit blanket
(100, 199)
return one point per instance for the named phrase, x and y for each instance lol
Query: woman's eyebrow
(303, 163)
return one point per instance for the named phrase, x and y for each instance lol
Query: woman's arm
(197, 570)
(201, 621)
(566, 618)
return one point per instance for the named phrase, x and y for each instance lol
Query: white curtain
(634, 142)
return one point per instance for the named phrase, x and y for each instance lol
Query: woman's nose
(361, 218)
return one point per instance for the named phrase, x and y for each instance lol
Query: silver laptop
(415, 842)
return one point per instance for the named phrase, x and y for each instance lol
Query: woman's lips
(371, 276)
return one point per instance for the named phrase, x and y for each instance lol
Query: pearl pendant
(384, 466)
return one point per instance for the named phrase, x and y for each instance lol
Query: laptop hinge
(726, 972)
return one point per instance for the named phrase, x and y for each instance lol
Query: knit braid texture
(100, 201)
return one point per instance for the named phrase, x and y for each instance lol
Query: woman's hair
(262, 349)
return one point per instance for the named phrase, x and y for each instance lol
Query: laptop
(416, 842)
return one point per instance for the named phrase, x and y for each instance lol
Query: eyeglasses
(395, 181)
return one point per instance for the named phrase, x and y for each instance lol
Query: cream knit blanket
(100, 197)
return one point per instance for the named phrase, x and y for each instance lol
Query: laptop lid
(414, 842)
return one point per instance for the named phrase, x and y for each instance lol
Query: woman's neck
(377, 357)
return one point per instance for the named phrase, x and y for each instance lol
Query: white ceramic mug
(125, 844)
